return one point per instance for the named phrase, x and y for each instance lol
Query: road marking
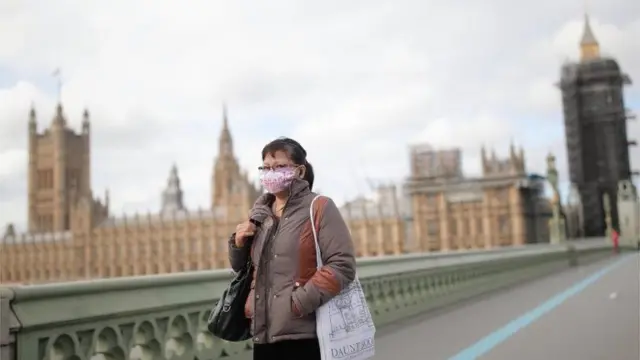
(497, 337)
(613, 295)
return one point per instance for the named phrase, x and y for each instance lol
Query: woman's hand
(244, 231)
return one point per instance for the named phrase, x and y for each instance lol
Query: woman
(287, 288)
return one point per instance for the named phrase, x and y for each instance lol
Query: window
(479, 228)
(194, 246)
(432, 228)
(431, 202)
(45, 222)
(73, 178)
(503, 224)
(44, 179)
(502, 196)
(453, 227)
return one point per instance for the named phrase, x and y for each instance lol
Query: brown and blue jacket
(287, 287)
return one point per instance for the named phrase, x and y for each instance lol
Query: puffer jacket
(287, 286)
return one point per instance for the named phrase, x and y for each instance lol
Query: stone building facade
(72, 235)
(505, 206)
(379, 226)
(629, 212)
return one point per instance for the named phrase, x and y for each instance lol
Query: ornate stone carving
(629, 214)
(557, 227)
(606, 204)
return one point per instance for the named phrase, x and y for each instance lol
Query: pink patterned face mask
(277, 180)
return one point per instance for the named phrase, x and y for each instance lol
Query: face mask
(275, 181)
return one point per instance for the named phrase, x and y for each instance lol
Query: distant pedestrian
(615, 237)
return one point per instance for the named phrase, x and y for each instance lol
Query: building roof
(588, 38)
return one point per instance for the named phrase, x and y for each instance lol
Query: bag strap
(249, 246)
(314, 230)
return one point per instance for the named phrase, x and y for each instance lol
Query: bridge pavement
(586, 313)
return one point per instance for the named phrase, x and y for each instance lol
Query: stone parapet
(164, 316)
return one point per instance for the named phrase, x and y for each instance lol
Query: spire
(589, 47)
(225, 142)
(59, 119)
(57, 74)
(225, 120)
(32, 113)
(85, 121)
(174, 180)
(172, 196)
(33, 125)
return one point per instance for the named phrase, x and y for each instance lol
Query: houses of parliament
(72, 234)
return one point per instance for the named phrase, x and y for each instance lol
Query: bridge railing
(164, 316)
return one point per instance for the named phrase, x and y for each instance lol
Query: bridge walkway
(589, 312)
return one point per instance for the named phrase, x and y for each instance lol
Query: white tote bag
(344, 324)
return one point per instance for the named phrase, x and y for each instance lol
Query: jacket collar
(298, 189)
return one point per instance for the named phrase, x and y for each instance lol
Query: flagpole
(57, 74)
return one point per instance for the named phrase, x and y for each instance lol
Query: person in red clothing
(616, 238)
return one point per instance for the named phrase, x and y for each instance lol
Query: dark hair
(296, 153)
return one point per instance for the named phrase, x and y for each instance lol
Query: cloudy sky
(353, 81)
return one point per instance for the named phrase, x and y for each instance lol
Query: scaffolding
(596, 134)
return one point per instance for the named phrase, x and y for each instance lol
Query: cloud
(355, 82)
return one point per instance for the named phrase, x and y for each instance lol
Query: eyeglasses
(275, 167)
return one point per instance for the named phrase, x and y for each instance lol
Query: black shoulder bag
(227, 320)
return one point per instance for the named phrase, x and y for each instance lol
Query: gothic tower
(172, 196)
(509, 166)
(59, 171)
(595, 129)
(232, 193)
(226, 166)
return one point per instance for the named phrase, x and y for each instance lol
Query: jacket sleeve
(338, 257)
(238, 257)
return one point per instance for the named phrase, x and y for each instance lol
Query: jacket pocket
(296, 312)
